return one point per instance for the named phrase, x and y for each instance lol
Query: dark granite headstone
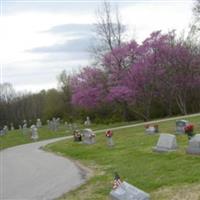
(180, 126)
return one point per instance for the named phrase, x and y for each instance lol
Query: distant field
(165, 176)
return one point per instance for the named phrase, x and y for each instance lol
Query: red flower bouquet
(189, 130)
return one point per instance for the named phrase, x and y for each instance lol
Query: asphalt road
(29, 173)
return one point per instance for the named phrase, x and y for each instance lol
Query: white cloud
(25, 30)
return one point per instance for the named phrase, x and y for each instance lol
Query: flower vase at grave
(189, 131)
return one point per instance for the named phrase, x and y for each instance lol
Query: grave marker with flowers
(189, 130)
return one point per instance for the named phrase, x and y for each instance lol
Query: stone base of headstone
(128, 192)
(194, 145)
(166, 143)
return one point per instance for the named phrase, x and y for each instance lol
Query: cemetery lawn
(165, 176)
(16, 137)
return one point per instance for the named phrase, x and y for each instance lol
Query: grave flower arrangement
(189, 130)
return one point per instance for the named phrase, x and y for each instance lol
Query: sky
(41, 38)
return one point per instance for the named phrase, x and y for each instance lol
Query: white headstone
(39, 123)
(166, 142)
(150, 130)
(88, 136)
(87, 122)
(194, 145)
(127, 191)
(25, 128)
(34, 133)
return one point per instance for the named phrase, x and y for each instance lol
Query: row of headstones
(167, 142)
(87, 136)
(53, 124)
(180, 127)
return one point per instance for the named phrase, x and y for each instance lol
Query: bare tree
(109, 31)
(194, 32)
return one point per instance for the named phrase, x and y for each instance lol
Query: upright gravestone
(125, 191)
(12, 127)
(66, 125)
(194, 145)
(88, 136)
(87, 122)
(34, 133)
(24, 128)
(180, 126)
(39, 123)
(151, 129)
(166, 142)
(5, 128)
(1, 132)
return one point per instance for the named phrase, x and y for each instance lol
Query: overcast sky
(40, 38)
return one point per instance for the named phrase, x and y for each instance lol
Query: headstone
(194, 145)
(12, 127)
(151, 129)
(39, 123)
(25, 129)
(5, 129)
(88, 136)
(1, 132)
(109, 135)
(20, 127)
(34, 133)
(87, 122)
(126, 191)
(66, 125)
(77, 136)
(180, 126)
(166, 142)
(53, 124)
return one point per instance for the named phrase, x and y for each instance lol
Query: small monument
(151, 129)
(24, 128)
(87, 122)
(180, 126)
(77, 136)
(39, 123)
(34, 133)
(166, 142)
(5, 129)
(20, 127)
(109, 135)
(126, 191)
(88, 136)
(12, 127)
(194, 145)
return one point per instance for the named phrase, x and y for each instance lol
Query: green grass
(16, 137)
(133, 159)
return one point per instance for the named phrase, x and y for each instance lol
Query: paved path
(29, 173)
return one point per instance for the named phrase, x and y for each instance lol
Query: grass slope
(165, 176)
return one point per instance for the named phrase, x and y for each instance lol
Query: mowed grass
(16, 137)
(165, 176)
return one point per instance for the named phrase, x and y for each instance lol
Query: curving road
(29, 173)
